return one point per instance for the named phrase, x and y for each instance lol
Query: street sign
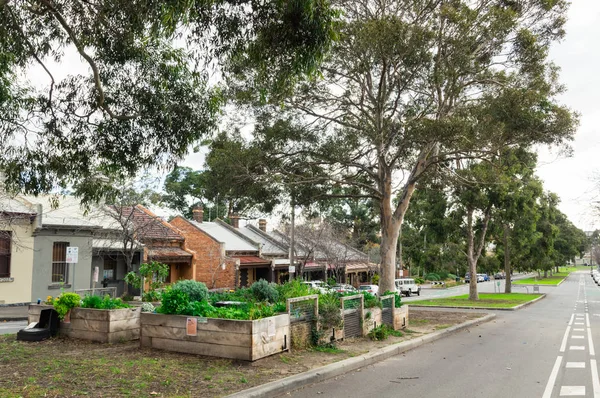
(292, 269)
(72, 254)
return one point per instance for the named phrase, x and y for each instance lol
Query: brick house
(223, 257)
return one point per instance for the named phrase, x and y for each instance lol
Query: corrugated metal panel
(352, 326)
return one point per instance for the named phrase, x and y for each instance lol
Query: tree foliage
(143, 96)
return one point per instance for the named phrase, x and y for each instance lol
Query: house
(223, 257)
(17, 223)
(133, 234)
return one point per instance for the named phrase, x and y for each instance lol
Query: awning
(253, 260)
(169, 254)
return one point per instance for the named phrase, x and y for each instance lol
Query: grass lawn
(486, 300)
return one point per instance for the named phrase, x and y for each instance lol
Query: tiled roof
(252, 260)
(167, 252)
(148, 225)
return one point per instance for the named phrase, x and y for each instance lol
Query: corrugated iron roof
(220, 233)
(167, 252)
(252, 260)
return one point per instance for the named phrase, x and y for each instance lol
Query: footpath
(13, 313)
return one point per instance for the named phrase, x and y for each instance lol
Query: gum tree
(412, 87)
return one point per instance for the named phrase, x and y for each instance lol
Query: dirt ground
(72, 368)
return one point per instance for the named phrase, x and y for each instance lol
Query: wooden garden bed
(104, 326)
(225, 338)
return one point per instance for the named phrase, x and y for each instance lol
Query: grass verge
(486, 300)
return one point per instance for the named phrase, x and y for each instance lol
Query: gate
(304, 315)
(352, 308)
(387, 310)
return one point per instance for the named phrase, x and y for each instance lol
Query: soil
(71, 368)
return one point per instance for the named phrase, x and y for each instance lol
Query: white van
(407, 286)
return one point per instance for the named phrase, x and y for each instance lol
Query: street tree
(143, 93)
(411, 87)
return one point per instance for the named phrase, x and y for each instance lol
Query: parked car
(480, 278)
(486, 277)
(407, 286)
(499, 275)
(467, 277)
(321, 286)
(373, 289)
(344, 288)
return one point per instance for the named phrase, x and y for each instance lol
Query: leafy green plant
(432, 277)
(65, 302)
(382, 332)
(419, 281)
(292, 289)
(331, 281)
(152, 295)
(371, 301)
(105, 303)
(196, 291)
(279, 307)
(147, 307)
(175, 302)
(261, 310)
(264, 291)
(375, 279)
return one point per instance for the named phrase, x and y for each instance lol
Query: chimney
(262, 224)
(235, 220)
(198, 214)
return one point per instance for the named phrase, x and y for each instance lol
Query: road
(12, 327)
(544, 350)
(483, 287)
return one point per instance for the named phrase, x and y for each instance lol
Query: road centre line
(587, 320)
(552, 379)
(592, 350)
(571, 321)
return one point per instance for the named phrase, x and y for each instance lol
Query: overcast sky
(578, 56)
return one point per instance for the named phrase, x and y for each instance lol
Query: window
(5, 240)
(110, 269)
(60, 268)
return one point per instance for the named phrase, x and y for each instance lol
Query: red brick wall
(208, 258)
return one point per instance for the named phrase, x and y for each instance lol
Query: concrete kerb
(518, 307)
(280, 387)
(12, 318)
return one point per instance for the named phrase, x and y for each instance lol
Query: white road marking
(570, 391)
(587, 320)
(564, 341)
(552, 379)
(592, 350)
(595, 379)
(577, 337)
(571, 320)
(578, 330)
(580, 365)
(577, 348)
(579, 323)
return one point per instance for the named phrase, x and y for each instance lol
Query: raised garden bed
(225, 338)
(104, 326)
(401, 317)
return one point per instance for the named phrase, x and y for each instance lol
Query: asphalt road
(544, 350)
(12, 327)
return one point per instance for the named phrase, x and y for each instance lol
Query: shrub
(264, 291)
(64, 302)
(152, 295)
(294, 288)
(280, 307)
(174, 302)
(432, 277)
(382, 332)
(443, 275)
(196, 291)
(419, 280)
(91, 302)
(106, 303)
(200, 308)
(371, 301)
(375, 279)
(147, 307)
(330, 314)
(451, 276)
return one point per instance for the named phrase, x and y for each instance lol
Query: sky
(573, 178)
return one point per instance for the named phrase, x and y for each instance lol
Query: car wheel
(419, 292)
(409, 293)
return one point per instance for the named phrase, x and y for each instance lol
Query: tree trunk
(471, 260)
(390, 231)
(507, 282)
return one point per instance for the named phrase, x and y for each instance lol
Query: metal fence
(352, 308)
(102, 291)
(387, 310)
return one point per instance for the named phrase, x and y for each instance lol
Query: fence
(101, 291)
(352, 308)
(304, 316)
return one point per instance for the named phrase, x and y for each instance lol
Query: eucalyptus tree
(143, 94)
(412, 86)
